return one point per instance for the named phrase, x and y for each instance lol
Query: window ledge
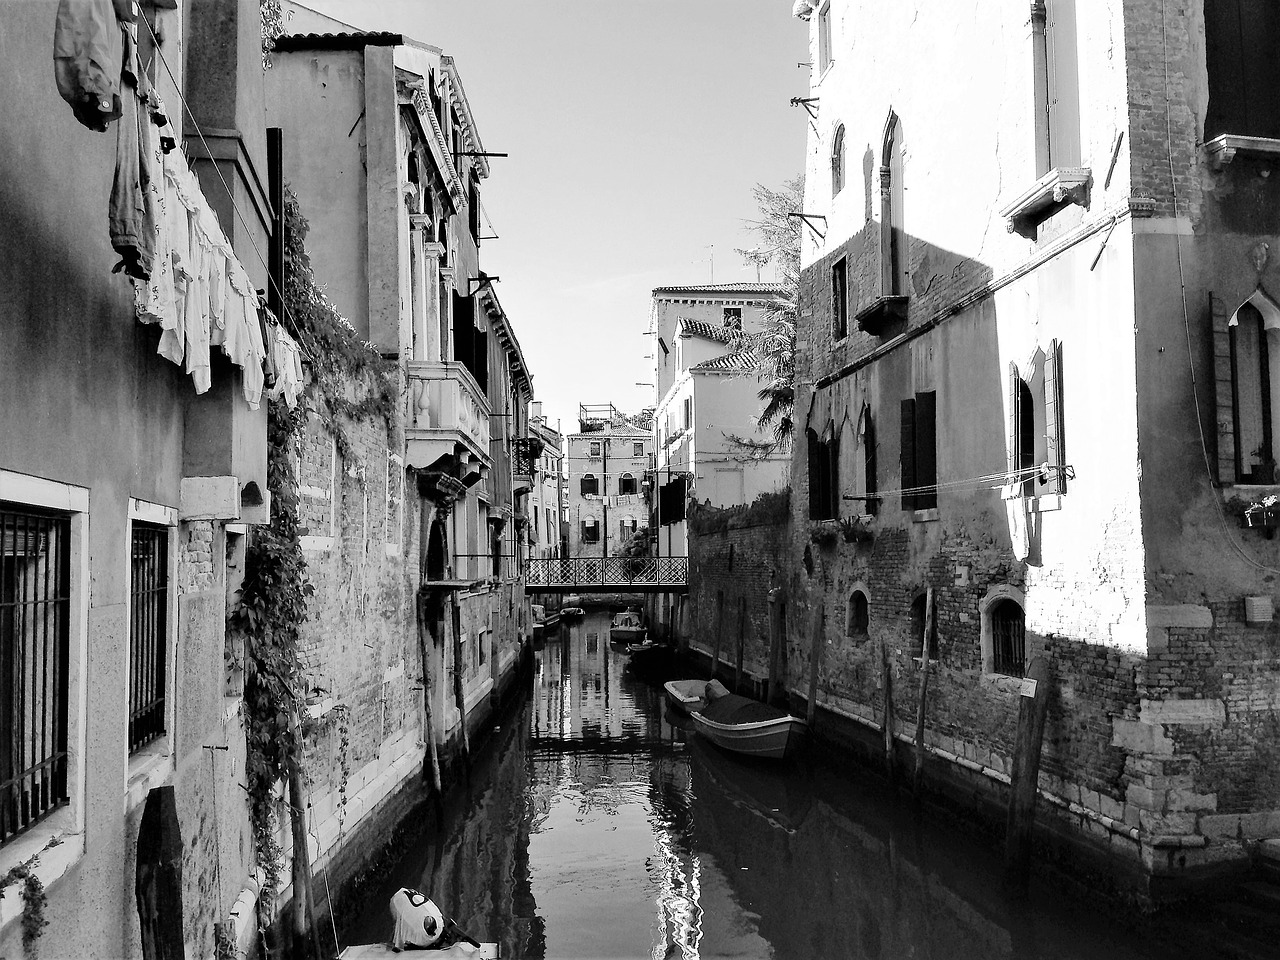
(57, 849)
(1056, 189)
(150, 767)
(881, 313)
(925, 516)
(1222, 149)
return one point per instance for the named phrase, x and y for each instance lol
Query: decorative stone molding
(1141, 207)
(1058, 187)
(1221, 150)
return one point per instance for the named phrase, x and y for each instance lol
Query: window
(148, 632)
(591, 530)
(733, 319)
(1248, 360)
(594, 449)
(858, 461)
(837, 161)
(473, 208)
(859, 615)
(919, 452)
(1241, 37)
(590, 485)
(628, 527)
(893, 260)
(626, 485)
(35, 614)
(840, 299)
(824, 477)
(1057, 85)
(1036, 424)
(918, 627)
(824, 38)
(1008, 638)
(637, 449)
(688, 412)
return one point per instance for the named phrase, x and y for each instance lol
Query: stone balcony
(448, 423)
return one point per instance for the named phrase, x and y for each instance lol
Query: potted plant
(1264, 514)
(825, 532)
(856, 529)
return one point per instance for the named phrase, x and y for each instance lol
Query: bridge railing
(607, 571)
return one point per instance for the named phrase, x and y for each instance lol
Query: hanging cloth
(87, 59)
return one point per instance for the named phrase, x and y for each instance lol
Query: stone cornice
(415, 96)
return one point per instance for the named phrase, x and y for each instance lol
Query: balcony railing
(446, 408)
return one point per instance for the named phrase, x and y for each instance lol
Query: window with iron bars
(148, 632)
(35, 607)
(1008, 638)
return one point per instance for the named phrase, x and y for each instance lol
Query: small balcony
(448, 425)
(525, 452)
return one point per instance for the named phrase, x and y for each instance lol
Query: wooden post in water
(459, 695)
(815, 659)
(158, 878)
(886, 685)
(927, 642)
(1032, 708)
(742, 632)
(775, 631)
(715, 652)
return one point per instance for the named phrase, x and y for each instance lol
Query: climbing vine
(34, 901)
(353, 382)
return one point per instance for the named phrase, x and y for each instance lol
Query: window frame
(840, 298)
(919, 451)
(994, 597)
(594, 449)
(582, 485)
(858, 589)
(162, 521)
(837, 160)
(635, 485)
(824, 38)
(66, 821)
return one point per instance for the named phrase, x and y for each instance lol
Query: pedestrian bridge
(607, 575)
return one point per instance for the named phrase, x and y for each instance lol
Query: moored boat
(627, 627)
(686, 696)
(749, 727)
(418, 925)
(572, 613)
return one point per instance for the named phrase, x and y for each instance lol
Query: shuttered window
(867, 431)
(590, 485)
(824, 477)
(919, 452)
(1036, 432)
(590, 531)
(1063, 84)
(1241, 40)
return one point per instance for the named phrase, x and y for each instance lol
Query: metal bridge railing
(607, 571)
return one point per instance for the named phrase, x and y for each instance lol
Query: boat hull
(383, 951)
(685, 696)
(770, 739)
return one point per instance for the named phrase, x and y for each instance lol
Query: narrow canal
(594, 827)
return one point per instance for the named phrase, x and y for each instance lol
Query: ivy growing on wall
(34, 901)
(353, 382)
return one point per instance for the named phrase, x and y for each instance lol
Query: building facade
(1032, 385)
(134, 459)
(707, 440)
(546, 497)
(605, 500)
(408, 278)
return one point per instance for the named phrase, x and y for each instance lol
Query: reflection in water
(593, 827)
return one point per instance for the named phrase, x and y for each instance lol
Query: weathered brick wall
(196, 569)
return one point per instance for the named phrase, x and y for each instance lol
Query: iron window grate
(148, 616)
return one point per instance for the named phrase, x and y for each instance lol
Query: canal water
(595, 826)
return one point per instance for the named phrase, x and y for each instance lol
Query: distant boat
(686, 696)
(627, 627)
(572, 613)
(748, 727)
(544, 622)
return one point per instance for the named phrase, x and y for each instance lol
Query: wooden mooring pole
(927, 642)
(815, 659)
(775, 632)
(715, 653)
(742, 637)
(1033, 705)
(886, 720)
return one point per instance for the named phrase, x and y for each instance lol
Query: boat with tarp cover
(746, 726)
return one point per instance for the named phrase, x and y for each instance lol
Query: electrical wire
(1186, 317)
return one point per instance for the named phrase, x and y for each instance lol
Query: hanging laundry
(132, 216)
(154, 298)
(87, 54)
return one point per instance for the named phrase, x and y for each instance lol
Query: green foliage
(639, 544)
(272, 27)
(33, 898)
(774, 345)
(768, 509)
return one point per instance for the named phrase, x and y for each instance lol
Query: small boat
(746, 726)
(644, 647)
(627, 626)
(572, 613)
(420, 927)
(544, 622)
(686, 696)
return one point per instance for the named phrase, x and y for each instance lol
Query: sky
(636, 130)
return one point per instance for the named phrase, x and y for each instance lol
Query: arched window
(590, 485)
(893, 260)
(859, 617)
(837, 161)
(1008, 638)
(626, 485)
(436, 559)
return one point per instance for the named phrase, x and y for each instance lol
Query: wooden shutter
(1064, 85)
(814, 473)
(926, 448)
(869, 460)
(833, 494)
(1224, 393)
(1053, 419)
(908, 453)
